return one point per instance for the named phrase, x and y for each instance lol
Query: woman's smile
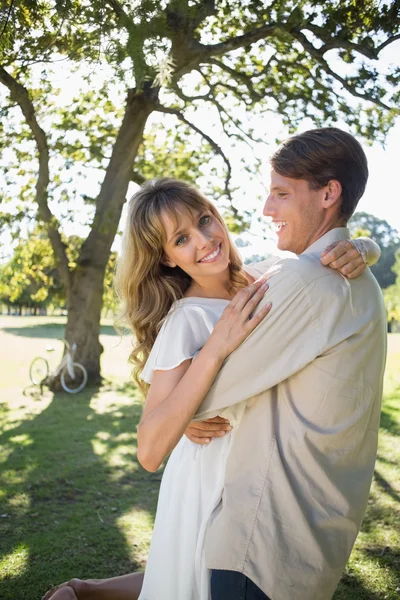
(212, 256)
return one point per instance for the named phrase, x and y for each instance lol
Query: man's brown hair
(319, 155)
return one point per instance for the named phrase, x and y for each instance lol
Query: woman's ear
(167, 263)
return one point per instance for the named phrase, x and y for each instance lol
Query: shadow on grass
(386, 487)
(388, 420)
(383, 558)
(62, 495)
(352, 587)
(379, 516)
(50, 330)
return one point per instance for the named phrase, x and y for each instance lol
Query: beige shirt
(302, 460)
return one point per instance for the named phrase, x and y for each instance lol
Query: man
(302, 458)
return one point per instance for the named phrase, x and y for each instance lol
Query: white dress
(192, 484)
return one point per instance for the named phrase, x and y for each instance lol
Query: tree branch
(10, 9)
(387, 42)
(138, 178)
(330, 44)
(208, 51)
(221, 110)
(186, 98)
(316, 54)
(20, 95)
(206, 9)
(238, 76)
(119, 11)
(217, 149)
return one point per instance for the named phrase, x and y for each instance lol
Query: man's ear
(333, 193)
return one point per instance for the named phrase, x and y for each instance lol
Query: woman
(182, 284)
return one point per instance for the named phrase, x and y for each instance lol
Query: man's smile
(279, 225)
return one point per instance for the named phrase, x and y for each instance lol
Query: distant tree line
(29, 280)
(30, 284)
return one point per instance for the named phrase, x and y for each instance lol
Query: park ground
(75, 502)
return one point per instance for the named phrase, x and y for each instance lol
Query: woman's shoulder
(189, 311)
(183, 333)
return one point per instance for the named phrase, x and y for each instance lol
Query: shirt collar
(334, 235)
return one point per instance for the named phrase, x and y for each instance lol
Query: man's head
(317, 180)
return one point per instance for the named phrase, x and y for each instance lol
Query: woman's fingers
(202, 432)
(344, 257)
(356, 265)
(259, 316)
(249, 308)
(338, 255)
(204, 428)
(245, 295)
(357, 271)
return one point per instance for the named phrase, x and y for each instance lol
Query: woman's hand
(202, 432)
(344, 257)
(238, 319)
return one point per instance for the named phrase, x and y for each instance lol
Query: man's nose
(269, 207)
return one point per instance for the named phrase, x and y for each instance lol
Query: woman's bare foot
(61, 592)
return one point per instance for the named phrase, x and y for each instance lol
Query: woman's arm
(175, 395)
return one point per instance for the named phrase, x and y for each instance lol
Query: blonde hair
(146, 287)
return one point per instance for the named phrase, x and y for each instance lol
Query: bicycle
(73, 375)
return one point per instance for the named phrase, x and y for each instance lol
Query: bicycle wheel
(39, 370)
(75, 384)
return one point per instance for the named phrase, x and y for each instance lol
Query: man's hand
(344, 257)
(202, 432)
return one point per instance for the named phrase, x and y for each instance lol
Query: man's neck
(325, 228)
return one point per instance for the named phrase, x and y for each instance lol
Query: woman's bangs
(188, 206)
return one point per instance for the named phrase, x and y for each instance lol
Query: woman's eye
(181, 240)
(206, 220)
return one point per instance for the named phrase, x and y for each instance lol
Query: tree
(388, 239)
(29, 279)
(392, 294)
(170, 58)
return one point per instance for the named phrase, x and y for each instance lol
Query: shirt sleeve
(182, 335)
(290, 337)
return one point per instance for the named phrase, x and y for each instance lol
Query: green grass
(74, 501)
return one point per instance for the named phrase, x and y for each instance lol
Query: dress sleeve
(182, 335)
(369, 250)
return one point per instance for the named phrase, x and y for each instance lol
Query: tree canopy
(388, 239)
(392, 294)
(132, 61)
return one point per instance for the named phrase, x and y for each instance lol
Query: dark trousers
(230, 585)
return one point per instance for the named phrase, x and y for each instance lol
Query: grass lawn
(75, 502)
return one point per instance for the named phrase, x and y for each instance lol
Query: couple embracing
(274, 372)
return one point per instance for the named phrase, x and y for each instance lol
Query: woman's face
(197, 243)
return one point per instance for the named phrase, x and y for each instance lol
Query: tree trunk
(83, 326)
(85, 288)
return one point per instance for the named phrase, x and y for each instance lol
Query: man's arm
(304, 316)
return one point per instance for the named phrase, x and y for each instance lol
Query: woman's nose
(202, 240)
